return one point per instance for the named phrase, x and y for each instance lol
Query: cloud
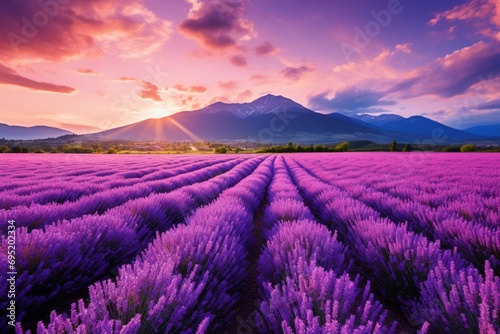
(489, 105)
(35, 30)
(221, 98)
(217, 24)
(239, 60)
(245, 95)
(350, 101)
(482, 14)
(228, 85)
(125, 79)
(150, 91)
(189, 89)
(265, 49)
(87, 71)
(452, 75)
(403, 48)
(296, 73)
(9, 77)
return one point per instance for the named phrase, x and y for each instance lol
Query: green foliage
(468, 148)
(451, 149)
(342, 147)
(4, 149)
(78, 149)
(16, 149)
(394, 146)
(220, 150)
(24, 150)
(407, 148)
(112, 151)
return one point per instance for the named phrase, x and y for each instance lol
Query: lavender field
(302, 243)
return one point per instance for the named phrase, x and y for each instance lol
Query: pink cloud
(87, 71)
(454, 74)
(239, 60)
(296, 73)
(244, 96)
(228, 85)
(150, 91)
(217, 24)
(9, 77)
(265, 49)
(481, 13)
(46, 30)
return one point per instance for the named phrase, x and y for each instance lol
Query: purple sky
(88, 64)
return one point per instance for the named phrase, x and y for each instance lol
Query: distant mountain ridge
(272, 119)
(377, 120)
(485, 130)
(14, 132)
(267, 119)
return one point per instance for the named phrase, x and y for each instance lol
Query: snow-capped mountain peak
(268, 104)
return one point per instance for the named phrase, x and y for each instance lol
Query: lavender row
(398, 262)
(38, 216)
(304, 287)
(452, 299)
(71, 255)
(90, 168)
(80, 186)
(476, 242)
(186, 281)
(58, 189)
(470, 193)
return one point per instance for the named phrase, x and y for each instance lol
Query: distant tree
(319, 148)
(407, 148)
(468, 148)
(16, 149)
(451, 149)
(78, 149)
(394, 146)
(299, 148)
(4, 149)
(112, 150)
(342, 147)
(24, 150)
(220, 150)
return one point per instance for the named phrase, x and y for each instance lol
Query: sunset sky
(85, 65)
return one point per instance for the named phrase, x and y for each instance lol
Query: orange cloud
(9, 77)
(47, 30)
(87, 71)
(125, 79)
(189, 89)
(150, 91)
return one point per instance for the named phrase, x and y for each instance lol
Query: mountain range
(30, 133)
(278, 119)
